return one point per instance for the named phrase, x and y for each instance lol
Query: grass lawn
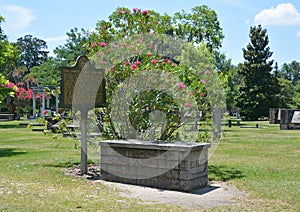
(264, 162)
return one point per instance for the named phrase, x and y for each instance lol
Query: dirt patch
(214, 195)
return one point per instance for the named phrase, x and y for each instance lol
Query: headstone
(296, 118)
(290, 119)
(274, 115)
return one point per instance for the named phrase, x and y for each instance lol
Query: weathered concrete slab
(173, 166)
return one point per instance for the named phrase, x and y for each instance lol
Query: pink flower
(180, 85)
(126, 63)
(102, 44)
(187, 104)
(10, 85)
(207, 72)
(168, 60)
(135, 9)
(203, 81)
(202, 94)
(149, 54)
(45, 112)
(93, 45)
(174, 64)
(154, 61)
(39, 96)
(133, 66)
(154, 33)
(137, 62)
(144, 12)
(120, 12)
(163, 62)
(127, 11)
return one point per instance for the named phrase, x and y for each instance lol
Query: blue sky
(51, 19)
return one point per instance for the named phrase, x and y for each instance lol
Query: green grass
(32, 176)
(264, 162)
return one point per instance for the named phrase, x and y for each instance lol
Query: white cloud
(283, 14)
(298, 33)
(18, 18)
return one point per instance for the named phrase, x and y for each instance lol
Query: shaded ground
(214, 195)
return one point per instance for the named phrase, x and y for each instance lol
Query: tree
(46, 74)
(229, 77)
(290, 72)
(8, 54)
(121, 25)
(6, 88)
(259, 89)
(32, 51)
(201, 25)
(124, 22)
(286, 94)
(74, 47)
(296, 96)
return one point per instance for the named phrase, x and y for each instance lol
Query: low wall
(172, 166)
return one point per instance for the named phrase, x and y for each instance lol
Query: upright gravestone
(274, 115)
(78, 92)
(290, 119)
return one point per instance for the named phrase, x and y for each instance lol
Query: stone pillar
(34, 106)
(48, 103)
(56, 103)
(43, 104)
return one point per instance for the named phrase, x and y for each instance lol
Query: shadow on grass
(223, 173)
(62, 164)
(8, 126)
(9, 152)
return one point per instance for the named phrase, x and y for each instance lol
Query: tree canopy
(9, 55)
(73, 48)
(201, 25)
(32, 51)
(259, 90)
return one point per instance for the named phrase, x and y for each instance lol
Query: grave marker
(78, 92)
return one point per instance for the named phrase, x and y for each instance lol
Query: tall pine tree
(259, 90)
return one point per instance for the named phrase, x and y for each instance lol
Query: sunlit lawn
(264, 162)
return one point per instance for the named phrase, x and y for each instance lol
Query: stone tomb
(290, 119)
(165, 165)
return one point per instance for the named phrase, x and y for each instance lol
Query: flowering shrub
(186, 92)
(166, 83)
(6, 88)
